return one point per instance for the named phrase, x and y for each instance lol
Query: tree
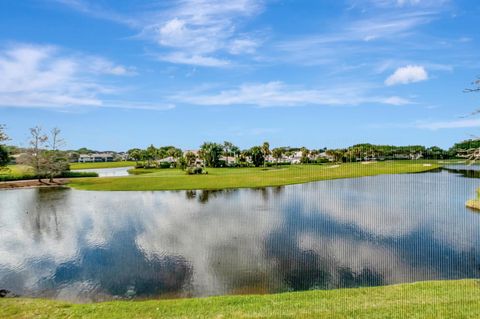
(4, 153)
(135, 154)
(210, 153)
(305, 153)
(4, 157)
(55, 161)
(191, 158)
(150, 154)
(336, 154)
(229, 149)
(277, 153)
(3, 136)
(265, 151)
(256, 153)
(182, 163)
(35, 154)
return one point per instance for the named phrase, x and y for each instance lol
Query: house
(169, 159)
(97, 157)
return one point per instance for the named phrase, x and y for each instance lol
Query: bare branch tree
(3, 136)
(55, 161)
(475, 88)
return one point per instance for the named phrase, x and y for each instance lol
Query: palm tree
(277, 154)
(265, 151)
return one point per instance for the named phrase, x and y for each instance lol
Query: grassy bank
(474, 203)
(222, 178)
(101, 165)
(16, 172)
(435, 299)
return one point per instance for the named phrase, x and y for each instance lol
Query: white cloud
(198, 60)
(407, 74)
(468, 123)
(194, 30)
(47, 77)
(276, 93)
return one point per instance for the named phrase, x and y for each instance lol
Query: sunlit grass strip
(435, 299)
(223, 178)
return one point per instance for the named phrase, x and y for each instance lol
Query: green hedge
(69, 174)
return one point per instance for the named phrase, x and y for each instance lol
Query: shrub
(164, 165)
(73, 174)
(194, 170)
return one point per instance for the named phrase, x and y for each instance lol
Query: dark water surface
(90, 246)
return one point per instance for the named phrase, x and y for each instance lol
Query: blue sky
(121, 74)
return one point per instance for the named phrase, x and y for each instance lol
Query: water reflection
(379, 230)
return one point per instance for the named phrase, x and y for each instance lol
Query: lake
(107, 172)
(92, 246)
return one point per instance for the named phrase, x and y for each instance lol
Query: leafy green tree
(277, 154)
(190, 158)
(230, 150)
(4, 153)
(135, 154)
(210, 153)
(256, 154)
(150, 155)
(182, 163)
(4, 157)
(305, 155)
(265, 151)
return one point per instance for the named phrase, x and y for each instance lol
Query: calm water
(107, 172)
(86, 246)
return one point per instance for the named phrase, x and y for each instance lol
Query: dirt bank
(33, 183)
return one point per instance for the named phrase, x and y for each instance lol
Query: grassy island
(223, 178)
(435, 299)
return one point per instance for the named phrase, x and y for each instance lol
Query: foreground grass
(223, 178)
(101, 165)
(435, 299)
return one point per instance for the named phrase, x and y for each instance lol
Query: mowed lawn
(222, 178)
(435, 299)
(17, 171)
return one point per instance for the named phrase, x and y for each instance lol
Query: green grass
(435, 299)
(222, 178)
(474, 203)
(101, 165)
(16, 172)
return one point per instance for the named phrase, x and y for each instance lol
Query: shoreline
(34, 183)
(436, 299)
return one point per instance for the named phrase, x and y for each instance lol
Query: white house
(97, 157)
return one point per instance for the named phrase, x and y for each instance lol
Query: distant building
(98, 157)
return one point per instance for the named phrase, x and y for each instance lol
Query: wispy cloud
(407, 74)
(195, 30)
(278, 94)
(466, 123)
(46, 76)
(192, 32)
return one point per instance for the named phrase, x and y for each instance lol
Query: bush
(164, 165)
(194, 170)
(73, 174)
(270, 164)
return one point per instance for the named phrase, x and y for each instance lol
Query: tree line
(44, 153)
(45, 156)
